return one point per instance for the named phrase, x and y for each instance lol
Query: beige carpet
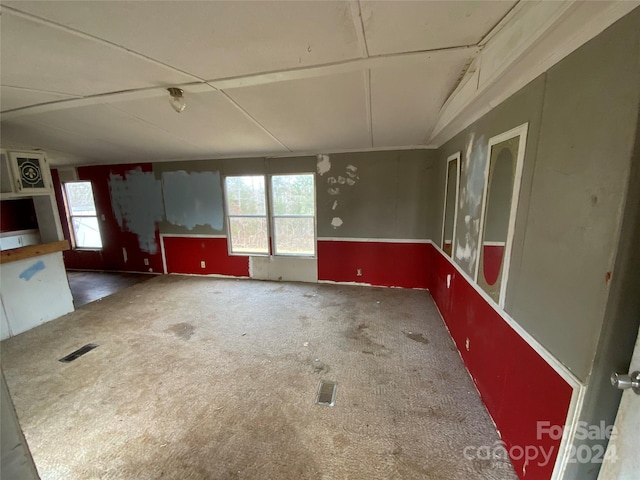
(200, 378)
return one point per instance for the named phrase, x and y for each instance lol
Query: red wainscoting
(518, 387)
(387, 264)
(184, 254)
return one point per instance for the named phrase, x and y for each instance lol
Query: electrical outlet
(202, 264)
(359, 272)
(146, 262)
(103, 218)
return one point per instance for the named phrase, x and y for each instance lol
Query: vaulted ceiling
(86, 80)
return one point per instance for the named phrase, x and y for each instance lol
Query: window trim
(452, 158)
(273, 217)
(70, 216)
(519, 131)
(229, 216)
(270, 217)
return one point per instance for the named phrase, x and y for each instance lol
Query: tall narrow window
(247, 215)
(293, 204)
(82, 215)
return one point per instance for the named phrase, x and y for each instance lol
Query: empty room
(320, 240)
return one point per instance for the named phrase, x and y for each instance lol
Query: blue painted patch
(32, 270)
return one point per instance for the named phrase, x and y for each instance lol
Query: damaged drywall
(193, 198)
(470, 203)
(136, 199)
(324, 164)
(338, 184)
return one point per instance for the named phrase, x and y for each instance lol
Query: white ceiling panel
(210, 120)
(405, 101)
(117, 136)
(12, 97)
(215, 39)
(313, 114)
(401, 26)
(23, 133)
(41, 57)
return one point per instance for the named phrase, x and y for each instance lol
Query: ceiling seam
(506, 18)
(97, 39)
(355, 63)
(356, 16)
(253, 119)
(276, 76)
(369, 104)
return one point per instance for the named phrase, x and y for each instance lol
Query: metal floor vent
(327, 393)
(78, 353)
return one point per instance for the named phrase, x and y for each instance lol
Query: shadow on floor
(87, 287)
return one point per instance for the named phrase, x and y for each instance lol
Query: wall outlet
(202, 264)
(146, 262)
(359, 272)
(103, 218)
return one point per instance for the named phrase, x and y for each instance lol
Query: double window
(83, 218)
(289, 215)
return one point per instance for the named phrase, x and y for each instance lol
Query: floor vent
(327, 393)
(78, 353)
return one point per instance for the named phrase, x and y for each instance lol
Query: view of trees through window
(293, 214)
(293, 202)
(247, 210)
(82, 215)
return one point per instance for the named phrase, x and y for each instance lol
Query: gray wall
(386, 194)
(390, 197)
(582, 118)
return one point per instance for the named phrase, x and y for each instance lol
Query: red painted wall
(17, 215)
(113, 238)
(382, 263)
(492, 262)
(518, 387)
(184, 254)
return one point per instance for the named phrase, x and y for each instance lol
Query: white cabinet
(25, 173)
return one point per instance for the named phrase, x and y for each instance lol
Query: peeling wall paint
(336, 222)
(193, 198)
(324, 164)
(136, 199)
(470, 203)
(341, 182)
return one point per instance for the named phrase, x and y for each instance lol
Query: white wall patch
(324, 164)
(336, 222)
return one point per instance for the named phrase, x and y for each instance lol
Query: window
(293, 203)
(292, 219)
(82, 215)
(247, 214)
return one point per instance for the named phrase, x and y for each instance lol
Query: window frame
(270, 217)
(520, 131)
(452, 158)
(71, 216)
(229, 216)
(273, 216)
